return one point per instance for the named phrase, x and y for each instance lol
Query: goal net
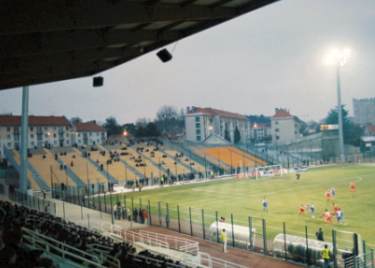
(269, 171)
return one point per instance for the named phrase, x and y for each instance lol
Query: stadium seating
(232, 156)
(32, 182)
(115, 167)
(45, 164)
(184, 158)
(143, 165)
(17, 221)
(85, 170)
(163, 159)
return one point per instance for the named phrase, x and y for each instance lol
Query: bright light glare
(337, 56)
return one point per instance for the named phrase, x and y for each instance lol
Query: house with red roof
(284, 127)
(203, 122)
(88, 133)
(44, 131)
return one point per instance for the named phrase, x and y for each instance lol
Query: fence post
(191, 225)
(250, 220)
(217, 227)
(159, 213)
(167, 216)
(111, 204)
(203, 226)
(178, 218)
(231, 221)
(364, 253)
(307, 246)
(133, 217)
(285, 248)
(334, 248)
(105, 202)
(149, 213)
(264, 236)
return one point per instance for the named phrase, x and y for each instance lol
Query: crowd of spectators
(14, 253)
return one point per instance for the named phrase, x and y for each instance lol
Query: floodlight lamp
(337, 56)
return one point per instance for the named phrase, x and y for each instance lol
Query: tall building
(44, 131)
(364, 111)
(201, 123)
(89, 133)
(284, 127)
(48, 131)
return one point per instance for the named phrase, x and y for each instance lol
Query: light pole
(339, 58)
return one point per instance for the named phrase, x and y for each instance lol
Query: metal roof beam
(25, 16)
(55, 42)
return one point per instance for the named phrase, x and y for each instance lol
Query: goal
(269, 171)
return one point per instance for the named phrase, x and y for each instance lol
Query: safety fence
(251, 233)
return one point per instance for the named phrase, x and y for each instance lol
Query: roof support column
(24, 138)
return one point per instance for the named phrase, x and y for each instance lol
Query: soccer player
(327, 216)
(328, 195)
(298, 176)
(301, 210)
(333, 192)
(265, 204)
(352, 187)
(312, 210)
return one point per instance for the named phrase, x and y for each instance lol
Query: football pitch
(243, 198)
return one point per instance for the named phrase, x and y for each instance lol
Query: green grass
(243, 198)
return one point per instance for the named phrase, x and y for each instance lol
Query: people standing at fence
(320, 235)
(326, 256)
(224, 238)
(265, 204)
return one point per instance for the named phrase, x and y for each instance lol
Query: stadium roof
(51, 40)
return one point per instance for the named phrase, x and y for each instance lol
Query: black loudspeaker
(164, 55)
(97, 81)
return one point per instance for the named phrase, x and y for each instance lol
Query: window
(32, 143)
(197, 119)
(54, 135)
(9, 144)
(31, 129)
(32, 136)
(277, 137)
(276, 130)
(8, 136)
(276, 122)
(198, 131)
(197, 125)
(8, 129)
(198, 138)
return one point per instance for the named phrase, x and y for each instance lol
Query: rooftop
(34, 120)
(213, 112)
(91, 126)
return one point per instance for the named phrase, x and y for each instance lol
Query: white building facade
(201, 123)
(284, 127)
(89, 133)
(364, 111)
(44, 131)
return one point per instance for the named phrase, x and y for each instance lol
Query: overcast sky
(269, 58)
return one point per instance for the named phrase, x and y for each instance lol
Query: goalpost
(269, 171)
